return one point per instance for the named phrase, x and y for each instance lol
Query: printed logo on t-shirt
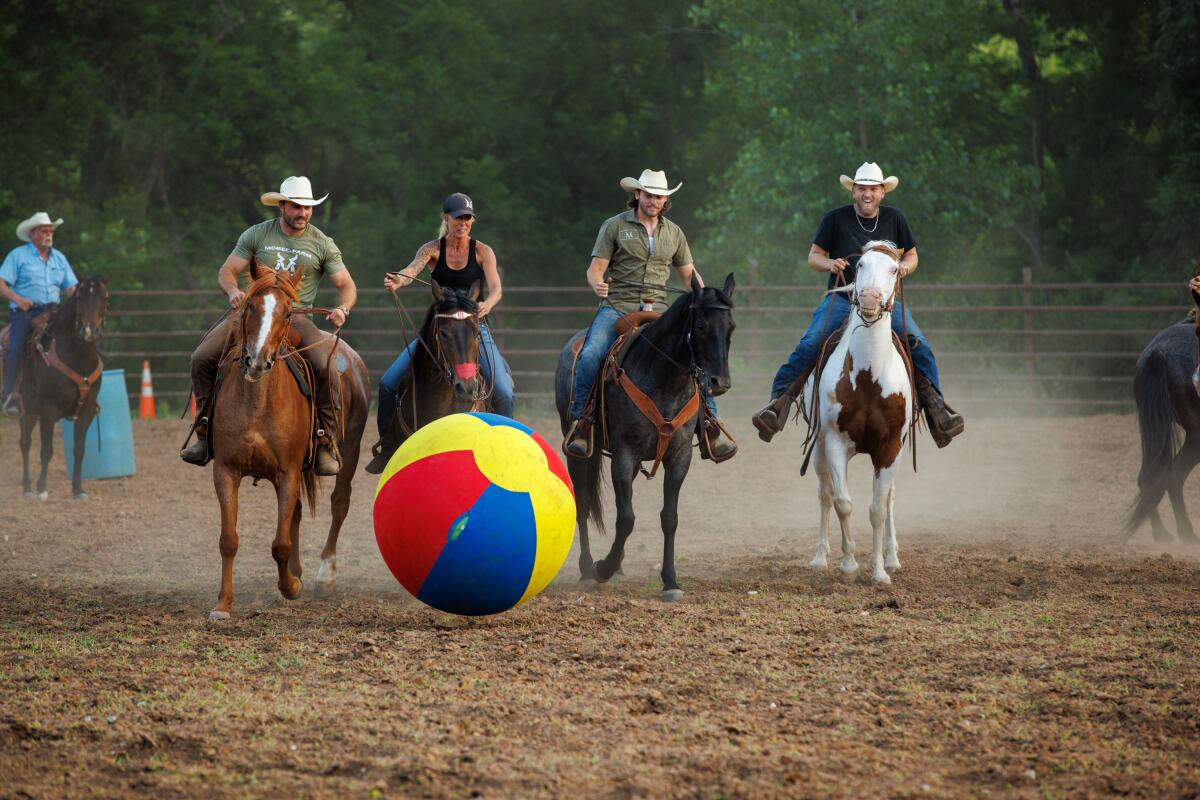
(627, 235)
(286, 257)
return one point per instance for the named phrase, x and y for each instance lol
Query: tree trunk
(1026, 51)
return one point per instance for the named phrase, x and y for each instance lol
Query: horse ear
(297, 276)
(439, 293)
(729, 285)
(697, 289)
(473, 292)
(105, 279)
(255, 269)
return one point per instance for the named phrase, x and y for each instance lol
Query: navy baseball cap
(458, 205)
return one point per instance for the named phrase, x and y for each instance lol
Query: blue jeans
(18, 334)
(827, 318)
(599, 340)
(501, 379)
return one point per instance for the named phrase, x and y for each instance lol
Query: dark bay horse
(262, 425)
(1167, 401)
(61, 378)
(444, 375)
(689, 343)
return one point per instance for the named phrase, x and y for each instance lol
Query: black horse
(667, 362)
(65, 381)
(444, 376)
(1167, 400)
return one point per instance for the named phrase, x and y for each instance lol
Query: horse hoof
(818, 563)
(671, 595)
(588, 583)
(848, 575)
(27, 495)
(43, 496)
(893, 566)
(324, 589)
(81, 496)
(882, 579)
(295, 594)
(217, 616)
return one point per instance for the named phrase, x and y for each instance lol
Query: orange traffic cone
(146, 406)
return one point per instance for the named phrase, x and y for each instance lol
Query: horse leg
(27, 423)
(1181, 467)
(672, 483)
(578, 471)
(79, 436)
(825, 502)
(339, 503)
(226, 483)
(624, 466)
(880, 514)
(294, 559)
(838, 461)
(47, 432)
(891, 548)
(287, 494)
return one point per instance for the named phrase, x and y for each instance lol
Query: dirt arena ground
(1023, 651)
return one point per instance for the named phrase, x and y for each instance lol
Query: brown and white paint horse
(863, 402)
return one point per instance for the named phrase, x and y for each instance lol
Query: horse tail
(1160, 438)
(591, 487)
(310, 481)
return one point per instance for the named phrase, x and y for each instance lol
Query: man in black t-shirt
(840, 238)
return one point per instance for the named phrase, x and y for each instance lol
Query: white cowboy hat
(36, 221)
(651, 182)
(297, 189)
(869, 174)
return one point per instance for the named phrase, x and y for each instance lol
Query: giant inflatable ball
(474, 514)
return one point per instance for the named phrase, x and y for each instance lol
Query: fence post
(1030, 355)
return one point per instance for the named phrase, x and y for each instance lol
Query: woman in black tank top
(457, 262)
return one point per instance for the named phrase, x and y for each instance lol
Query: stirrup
(581, 431)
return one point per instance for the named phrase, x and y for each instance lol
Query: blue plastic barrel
(109, 454)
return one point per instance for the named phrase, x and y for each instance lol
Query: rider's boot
(715, 442)
(12, 405)
(944, 423)
(327, 462)
(578, 443)
(197, 453)
(771, 418)
(382, 452)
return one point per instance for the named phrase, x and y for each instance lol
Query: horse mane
(273, 279)
(64, 315)
(889, 249)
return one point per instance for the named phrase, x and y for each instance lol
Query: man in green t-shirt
(287, 243)
(633, 256)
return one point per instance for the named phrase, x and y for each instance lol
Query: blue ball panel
(488, 558)
(496, 419)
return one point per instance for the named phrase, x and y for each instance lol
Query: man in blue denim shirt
(32, 278)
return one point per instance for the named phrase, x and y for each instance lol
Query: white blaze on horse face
(264, 326)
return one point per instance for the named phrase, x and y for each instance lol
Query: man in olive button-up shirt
(631, 260)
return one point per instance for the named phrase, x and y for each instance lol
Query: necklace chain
(858, 219)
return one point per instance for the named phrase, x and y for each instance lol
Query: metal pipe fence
(1019, 347)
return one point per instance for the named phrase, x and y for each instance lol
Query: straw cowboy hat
(650, 182)
(36, 221)
(869, 174)
(296, 189)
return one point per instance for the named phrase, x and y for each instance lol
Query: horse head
(265, 316)
(877, 278)
(91, 307)
(455, 335)
(711, 332)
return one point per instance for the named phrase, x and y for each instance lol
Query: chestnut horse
(262, 427)
(61, 378)
(864, 405)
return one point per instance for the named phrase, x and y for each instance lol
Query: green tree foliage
(153, 127)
